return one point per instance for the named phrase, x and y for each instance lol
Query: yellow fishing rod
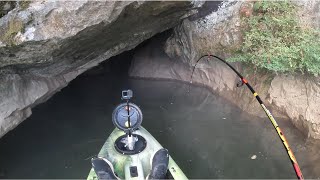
(271, 118)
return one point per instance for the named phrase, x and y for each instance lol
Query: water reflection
(206, 135)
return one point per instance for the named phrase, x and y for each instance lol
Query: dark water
(206, 135)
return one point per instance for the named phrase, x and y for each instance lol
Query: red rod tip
(298, 171)
(244, 80)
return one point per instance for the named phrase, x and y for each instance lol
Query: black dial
(120, 116)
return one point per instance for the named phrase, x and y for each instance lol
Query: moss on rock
(12, 29)
(24, 4)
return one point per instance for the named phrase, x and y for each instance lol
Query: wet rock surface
(299, 98)
(151, 61)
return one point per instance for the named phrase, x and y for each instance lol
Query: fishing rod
(268, 113)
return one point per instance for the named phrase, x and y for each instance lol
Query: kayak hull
(142, 160)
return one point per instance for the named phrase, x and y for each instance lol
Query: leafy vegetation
(274, 40)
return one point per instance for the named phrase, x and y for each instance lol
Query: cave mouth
(119, 65)
(200, 129)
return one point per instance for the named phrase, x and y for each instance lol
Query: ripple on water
(208, 136)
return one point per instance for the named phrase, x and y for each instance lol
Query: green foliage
(274, 40)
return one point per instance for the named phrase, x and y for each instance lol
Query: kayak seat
(103, 168)
(159, 164)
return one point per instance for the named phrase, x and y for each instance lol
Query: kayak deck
(142, 160)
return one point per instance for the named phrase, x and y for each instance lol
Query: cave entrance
(200, 129)
(119, 65)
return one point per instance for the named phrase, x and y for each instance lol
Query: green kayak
(137, 161)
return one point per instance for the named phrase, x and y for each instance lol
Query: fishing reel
(240, 83)
(128, 118)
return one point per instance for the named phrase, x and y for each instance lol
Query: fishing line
(172, 99)
(268, 113)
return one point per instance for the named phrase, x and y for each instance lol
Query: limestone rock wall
(46, 44)
(293, 96)
(299, 98)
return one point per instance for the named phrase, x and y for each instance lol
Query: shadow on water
(206, 135)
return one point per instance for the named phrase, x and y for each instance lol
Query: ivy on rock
(273, 39)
